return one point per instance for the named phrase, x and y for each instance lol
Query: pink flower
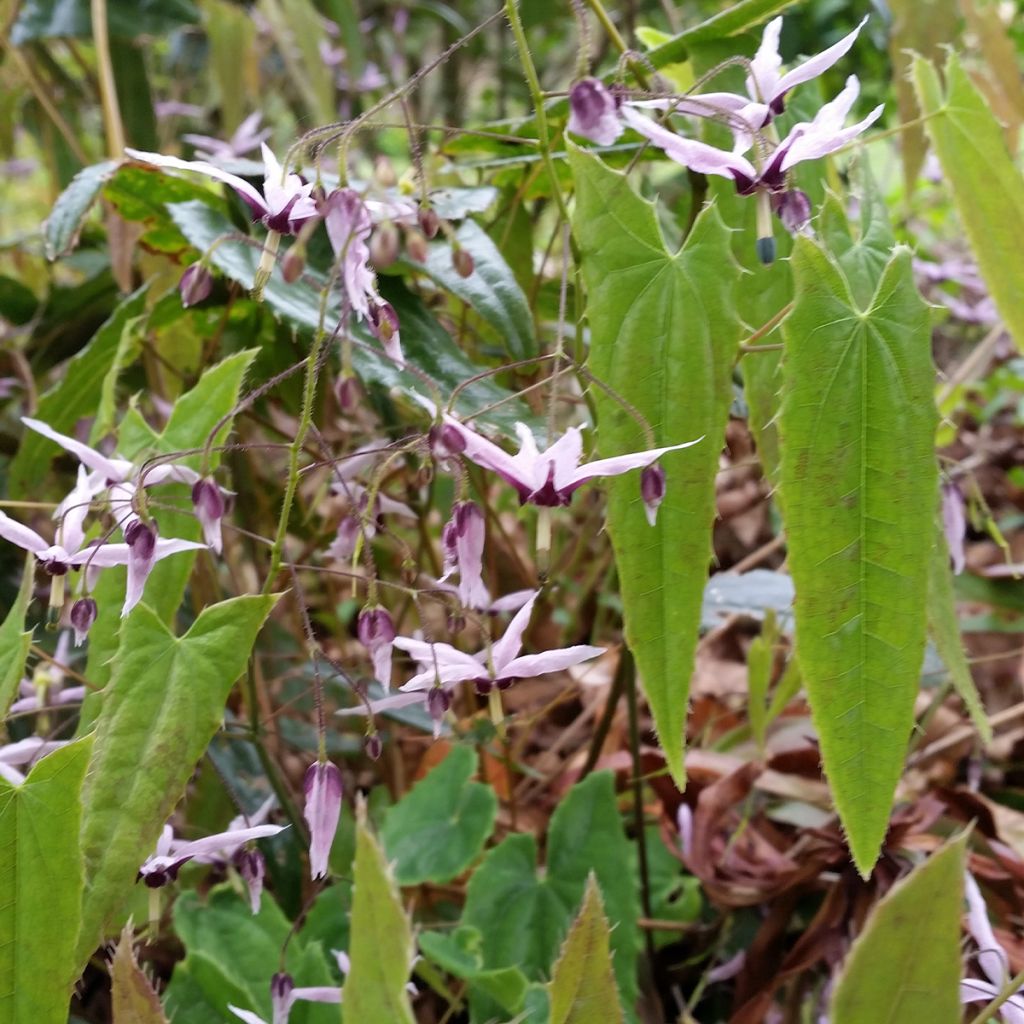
(594, 112)
(245, 139)
(284, 995)
(548, 477)
(322, 788)
(284, 205)
(500, 665)
(463, 541)
(376, 631)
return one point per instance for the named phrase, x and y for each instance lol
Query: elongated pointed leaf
(859, 480)
(439, 828)
(944, 629)
(987, 187)
(14, 640)
(905, 964)
(382, 947)
(664, 336)
(41, 887)
(583, 984)
(164, 702)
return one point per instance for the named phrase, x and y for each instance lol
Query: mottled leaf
(664, 336)
(62, 227)
(859, 480)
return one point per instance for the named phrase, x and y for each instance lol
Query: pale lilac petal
(698, 156)
(240, 185)
(317, 994)
(247, 1015)
(564, 455)
(322, 810)
(550, 661)
(168, 472)
(441, 653)
(225, 843)
(446, 675)
(11, 775)
(390, 703)
(593, 112)
(114, 469)
(763, 80)
(510, 602)
(70, 695)
(974, 991)
(623, 463)
(252, 867)
(28, 750)
(509, 645)
(821, 62)
(699, 105)
(992, 957)
(71, 513)
(348, 228)
(954, 524)
(487, 454)
(470, 530)
(813, 146)
(22, 536)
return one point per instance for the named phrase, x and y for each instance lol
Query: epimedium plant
(332, 422)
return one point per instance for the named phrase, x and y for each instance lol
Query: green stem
(108, 91)
(537, 96)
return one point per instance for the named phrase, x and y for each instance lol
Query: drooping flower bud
(463, 262)
(83, 615)
(376, 631)
(253, 868)
(343, 546)
(793, 208)
(429, 221)
(347, 392)
(593, 112)
(384, 245)
(416, 246)
(652, 490)
(322, 789)
(294, 263)
(384, 324)
(468, 529)
(438, 703)
(374, 746)
(954, 525)
(446, 441)
(208, 503)
(195, 285)
(281, 999)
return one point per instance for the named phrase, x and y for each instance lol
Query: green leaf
(492, 289)
(76, 395)
(460, 954)
(664, 336)
(987, 187)
(905, 964)
(382, 949)
(41, 887)
(14, 640)
(440, 826)
(46, 19)
(582, 985)
(62, 227)
(859, 483)
(944, 629)
(128, 348)
(132, 998)
(729, 22)
(164, 702)
(231, 955)
(535, 910)
(426, 344)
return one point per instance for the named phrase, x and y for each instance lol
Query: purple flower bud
(208, 503)
(83, 615)
(429, 221)
(347, 392)
(470, 531)
(141, 539)
(281, 998)
(253, 868)
(652, 490)
(195, 285)
(594, 112)
(954, 525)
(438, 703)
(322, 788)
(416, 247)
(446, 441)
(463, 262)
(384, 324)
(344, 545)
(376, 631)
(294, 263)
(373, 746)
(384, 244)
(793, 208)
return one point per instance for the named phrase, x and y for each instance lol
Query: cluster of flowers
(602, 115)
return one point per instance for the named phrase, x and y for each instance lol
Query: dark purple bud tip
(375, 627)
(294, 263)
(374, 746)
(463, 262)
(504, 684)
(438, 702)
(83, 615)
(483, 686)
(766, 250)
(195, 285)
(281, 985)
(652, 490)
(141, 538)
(207, 499)
(430, 223)
(593, 112)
